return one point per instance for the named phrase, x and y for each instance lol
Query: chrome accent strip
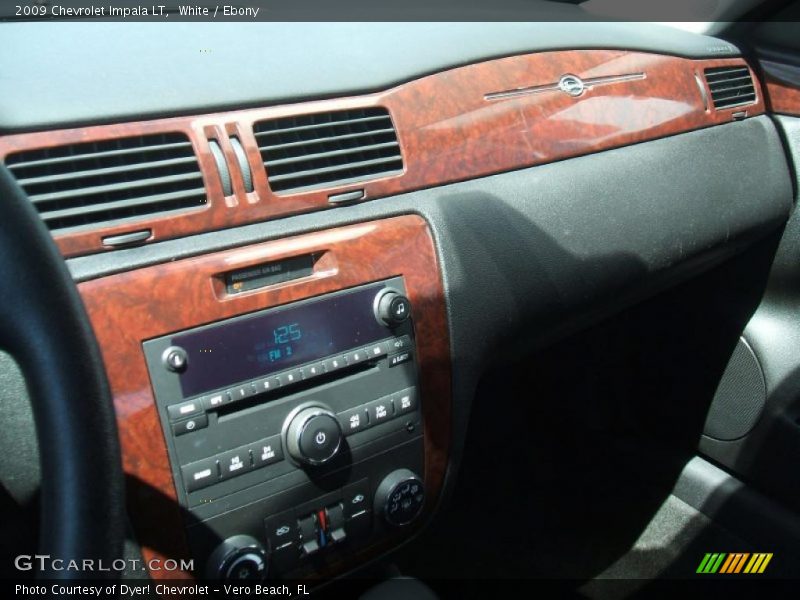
(346, 197)
(537, 89)
(128, 238)
(703, 93)
(556, 86)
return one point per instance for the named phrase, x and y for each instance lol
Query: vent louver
(730, 86)
(99, 182)
(326, 149)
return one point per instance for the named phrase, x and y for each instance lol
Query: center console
(283, 408)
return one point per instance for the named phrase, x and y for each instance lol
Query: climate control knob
(239, 558)
(400, 497)
(392, 308)
(313, 436)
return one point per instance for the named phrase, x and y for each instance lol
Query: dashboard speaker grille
(97, 183)
(740, 397)
(730, 86)
(327, 149)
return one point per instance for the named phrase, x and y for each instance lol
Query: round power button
(313, 436)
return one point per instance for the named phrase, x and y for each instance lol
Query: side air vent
(326, 149)
(730, 86)
(99, 182)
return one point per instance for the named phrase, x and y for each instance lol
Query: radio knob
(392, 308)
(313, 436)
(239, 558)
(400, 497)
(175, 359)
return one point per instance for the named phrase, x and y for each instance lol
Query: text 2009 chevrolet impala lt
(413, 309)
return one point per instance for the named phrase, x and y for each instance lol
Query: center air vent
(327, 149)
(100, 182)
(730, 86)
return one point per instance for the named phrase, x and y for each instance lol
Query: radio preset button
(377, 350)
(234, 462)
(314, 370)
(267, 385)
(185, 409)
(380, 410)
(354, 420)
(334, 364)
(356, 356)
(267, 451)
(201, 474)
(290, 377)
(243, 391)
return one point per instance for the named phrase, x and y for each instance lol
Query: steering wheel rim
(44, 327)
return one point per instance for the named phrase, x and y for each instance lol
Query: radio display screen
(262, 344)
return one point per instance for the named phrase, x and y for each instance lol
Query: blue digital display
(282, 345)
(249, 347)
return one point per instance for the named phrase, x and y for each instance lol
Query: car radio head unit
(294, 430)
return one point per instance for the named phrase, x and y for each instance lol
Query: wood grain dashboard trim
(783, 98)
(448, 131)
(782, 87)
(128, 308)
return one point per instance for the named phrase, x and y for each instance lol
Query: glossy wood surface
(782, 97)
(128, 308)
(447, 129)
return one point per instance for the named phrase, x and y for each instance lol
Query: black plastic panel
(530, 256)
(768, 456)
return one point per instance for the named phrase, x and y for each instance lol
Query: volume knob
(313, 436)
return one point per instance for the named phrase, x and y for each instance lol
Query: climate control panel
(297, 536)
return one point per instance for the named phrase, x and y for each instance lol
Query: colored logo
(733, 563)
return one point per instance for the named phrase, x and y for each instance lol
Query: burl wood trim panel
(783, 97)
(448, 131)
(128, 308)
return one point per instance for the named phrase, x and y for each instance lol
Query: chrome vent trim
(98, 183)
(323, 150)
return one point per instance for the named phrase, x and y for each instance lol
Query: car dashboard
(296, 297)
